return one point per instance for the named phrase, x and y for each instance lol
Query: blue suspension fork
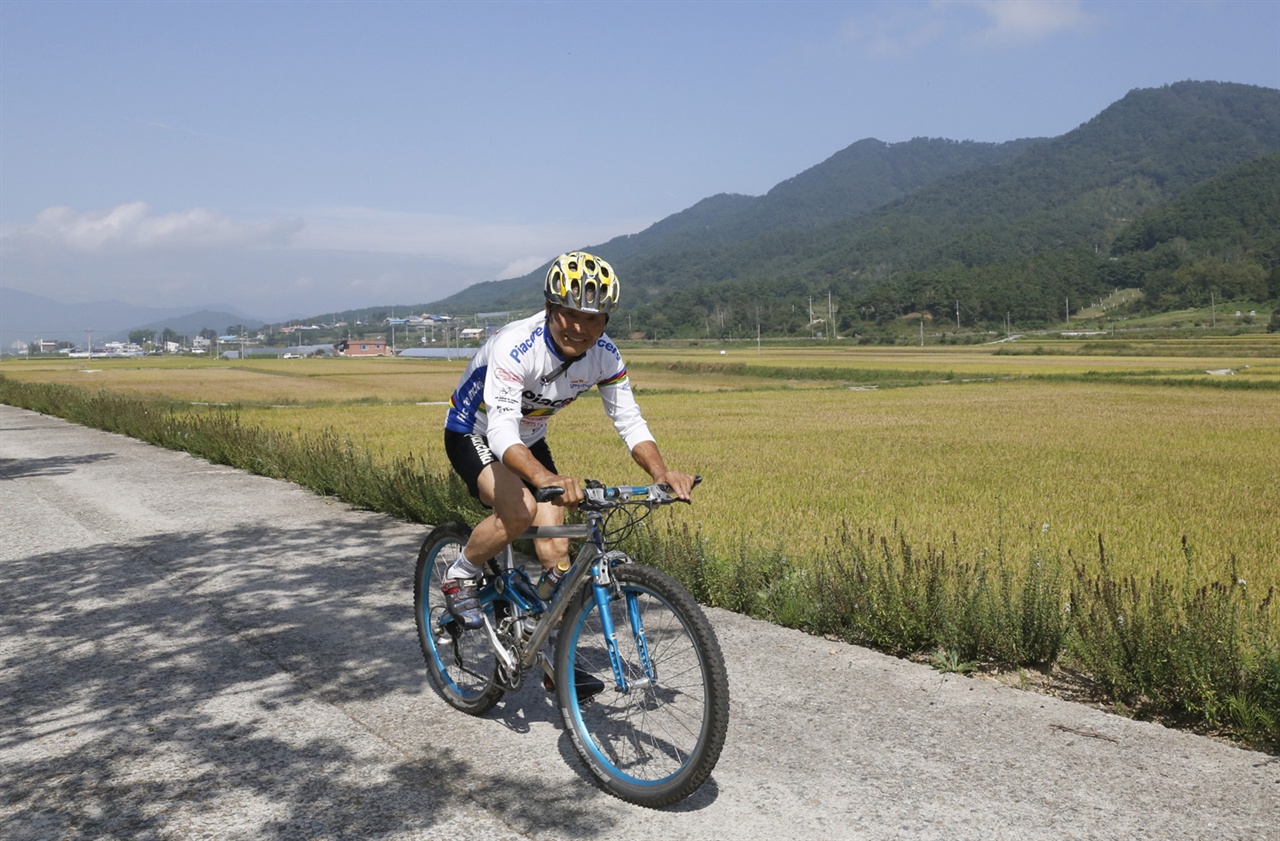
(607, 626)
(637, 629)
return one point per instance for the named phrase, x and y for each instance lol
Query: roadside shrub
(323, 462)
(1163, 645)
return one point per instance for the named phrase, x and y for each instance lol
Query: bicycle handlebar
(598, 496)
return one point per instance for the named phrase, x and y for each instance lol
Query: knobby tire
(657, 743)
(461, 664)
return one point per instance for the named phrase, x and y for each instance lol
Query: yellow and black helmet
(583, 282)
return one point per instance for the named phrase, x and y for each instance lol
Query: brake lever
(666, 489)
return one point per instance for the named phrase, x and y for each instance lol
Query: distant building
(362, 347)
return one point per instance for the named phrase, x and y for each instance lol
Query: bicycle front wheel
(461, 663)
(656, 740)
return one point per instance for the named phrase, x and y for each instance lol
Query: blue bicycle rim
(576, 711)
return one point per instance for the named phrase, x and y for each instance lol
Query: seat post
(506, 558)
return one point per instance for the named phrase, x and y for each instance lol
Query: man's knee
(515, 512)
(551, 550)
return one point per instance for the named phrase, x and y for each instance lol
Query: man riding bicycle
(495, 432)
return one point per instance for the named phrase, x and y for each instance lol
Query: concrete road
(189, 651)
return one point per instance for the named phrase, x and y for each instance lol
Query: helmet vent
(582, 281)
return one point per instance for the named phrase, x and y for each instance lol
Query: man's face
(575, 332)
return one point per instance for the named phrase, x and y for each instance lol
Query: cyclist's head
(583, 282)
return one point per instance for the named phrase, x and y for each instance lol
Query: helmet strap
(557, 373)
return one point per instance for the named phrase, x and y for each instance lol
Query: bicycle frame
(513, 586)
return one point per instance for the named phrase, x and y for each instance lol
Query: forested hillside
(1220, 238)
(1172, 190)
(866, 175)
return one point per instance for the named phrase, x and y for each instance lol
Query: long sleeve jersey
(517, 380)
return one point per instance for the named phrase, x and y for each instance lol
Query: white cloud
(131, 227)
(521, 267)
(1023, 21)
(506, 248)
(906, 28)
(493, 248)
(314, 260)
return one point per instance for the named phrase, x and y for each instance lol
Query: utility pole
(89, 334)
(957, 314)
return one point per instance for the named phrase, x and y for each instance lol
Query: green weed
(1164, 644)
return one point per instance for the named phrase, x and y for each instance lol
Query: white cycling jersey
(518, 379)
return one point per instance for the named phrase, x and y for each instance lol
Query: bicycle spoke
(659, 740)
(460, 663)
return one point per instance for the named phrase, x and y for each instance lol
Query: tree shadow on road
(153, 689)
(21, 468)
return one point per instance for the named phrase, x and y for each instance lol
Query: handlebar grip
(548, 493)
(697, 480)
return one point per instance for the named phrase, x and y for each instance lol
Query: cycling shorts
(469, 454)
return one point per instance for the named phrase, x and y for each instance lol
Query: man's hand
(681, 484)
(521, 462)
(572, 489)
(647, 455)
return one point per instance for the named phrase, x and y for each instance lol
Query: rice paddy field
(1046, 444)
(1105, 513)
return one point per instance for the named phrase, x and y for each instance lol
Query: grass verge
(1204, 656)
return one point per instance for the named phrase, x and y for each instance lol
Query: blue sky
(303, 157)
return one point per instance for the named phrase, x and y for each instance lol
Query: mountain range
(928, 226)
(25, 317)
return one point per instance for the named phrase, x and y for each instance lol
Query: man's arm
(649, 457)
(620, 405)
(522, 462)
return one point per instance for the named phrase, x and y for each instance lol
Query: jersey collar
(550, 342)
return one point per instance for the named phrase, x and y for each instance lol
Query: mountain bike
(654, 733)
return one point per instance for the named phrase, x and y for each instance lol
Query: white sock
(461, 568)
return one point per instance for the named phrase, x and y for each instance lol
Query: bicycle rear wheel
(461, 664)
(658, 741)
